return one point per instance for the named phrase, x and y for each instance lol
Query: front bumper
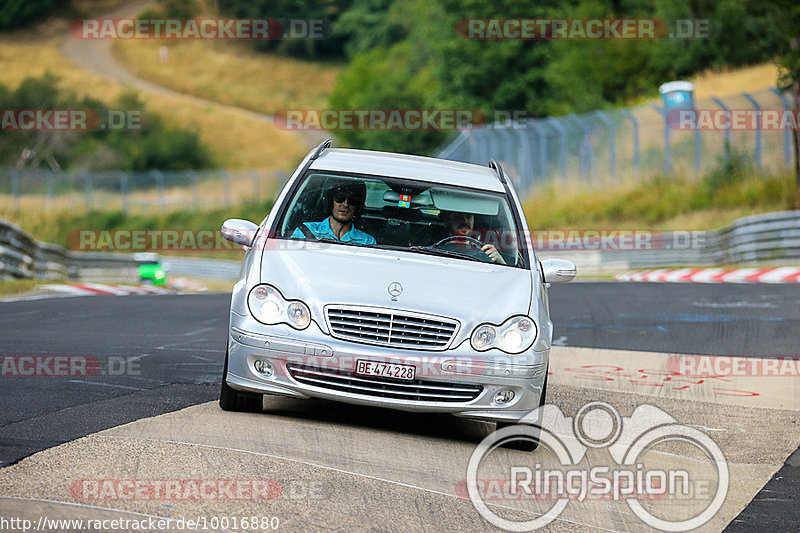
(437, 374)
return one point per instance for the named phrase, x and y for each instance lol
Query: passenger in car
(345, 203)
(460, 227)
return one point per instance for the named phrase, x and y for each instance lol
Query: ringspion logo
(560, 472)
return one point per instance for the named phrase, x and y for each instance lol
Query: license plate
(385, 370)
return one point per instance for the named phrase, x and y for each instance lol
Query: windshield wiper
(446, 253)
(314, 238)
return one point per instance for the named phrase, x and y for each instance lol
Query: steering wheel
(470, 240)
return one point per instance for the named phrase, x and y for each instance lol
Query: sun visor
(464, 202)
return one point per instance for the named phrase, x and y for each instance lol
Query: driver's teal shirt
(322, 230)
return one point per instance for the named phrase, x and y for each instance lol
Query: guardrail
(771, 238)
(22, 256)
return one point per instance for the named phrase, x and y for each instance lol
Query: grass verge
(662, 204)
(12, 287)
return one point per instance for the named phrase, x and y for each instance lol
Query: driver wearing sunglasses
(345, 204)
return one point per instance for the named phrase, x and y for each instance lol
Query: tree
(786, 16)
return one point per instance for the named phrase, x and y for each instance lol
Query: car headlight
(268, 306)
(513, 336)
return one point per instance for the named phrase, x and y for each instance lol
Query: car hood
(469, 291)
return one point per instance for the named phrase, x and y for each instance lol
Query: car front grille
(391, 328)
(415, 391)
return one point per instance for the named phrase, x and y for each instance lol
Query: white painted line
(103, 384)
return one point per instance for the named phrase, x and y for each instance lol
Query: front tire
(531, 442)
(231, 399)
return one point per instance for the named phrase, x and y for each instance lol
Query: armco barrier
(771, 238)
(21, 256)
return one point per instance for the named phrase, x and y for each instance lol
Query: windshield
(413, 216)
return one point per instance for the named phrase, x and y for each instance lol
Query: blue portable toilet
(677, 95)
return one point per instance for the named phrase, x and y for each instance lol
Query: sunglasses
(352, 199)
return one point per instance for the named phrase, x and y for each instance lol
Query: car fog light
(263, 367)
(504, 396)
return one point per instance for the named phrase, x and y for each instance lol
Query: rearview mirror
(558, 270)
(239, 231)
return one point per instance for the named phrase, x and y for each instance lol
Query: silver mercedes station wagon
(396, 281)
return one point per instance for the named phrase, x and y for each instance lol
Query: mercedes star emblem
(395, 290)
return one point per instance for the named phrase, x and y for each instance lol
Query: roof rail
(494, 165)
(321, 148)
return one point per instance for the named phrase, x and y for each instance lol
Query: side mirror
(558, 270)
(239, 231)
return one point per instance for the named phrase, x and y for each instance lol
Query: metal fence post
(123, 187)
(493, 150)
(585, 152)
(473, 145)
(454, 145)
(542, 137)
(698, 150)
(159, 177)
(667, 151)
(525, 157)
(87, 184)
(195, 187)
(727, 111)
(636, 159)
(757, 107)
(787, 132)
(612, 148)
(562, 132)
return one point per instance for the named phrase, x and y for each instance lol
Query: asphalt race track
(148, 412)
